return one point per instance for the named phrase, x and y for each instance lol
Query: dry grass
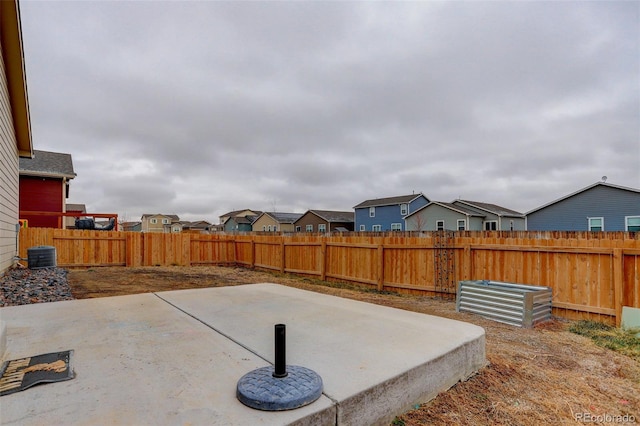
(545, 375)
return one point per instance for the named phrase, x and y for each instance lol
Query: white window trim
(309, 228)
(372, 212)
(322, 227)
(438, 222)
(626, 222)
(589, 219)
(376, 228)
(363, 228)
(404, 209)
(396, 227)
(464, 225)
(165, 221)
(298, 228)
(153, 221)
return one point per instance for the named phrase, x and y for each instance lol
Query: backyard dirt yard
(545, 375)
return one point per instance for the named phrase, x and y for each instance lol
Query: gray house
(598, 207)
(463, 215)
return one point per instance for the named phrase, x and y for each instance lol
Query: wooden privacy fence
(592, 274)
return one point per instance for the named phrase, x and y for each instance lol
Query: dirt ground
(544, 375)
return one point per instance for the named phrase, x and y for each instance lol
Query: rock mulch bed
(25, 286)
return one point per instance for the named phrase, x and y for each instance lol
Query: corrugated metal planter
(516, 304)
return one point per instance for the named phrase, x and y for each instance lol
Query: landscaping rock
(25, 286)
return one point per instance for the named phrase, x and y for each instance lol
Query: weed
(398, 422)
(624, 341)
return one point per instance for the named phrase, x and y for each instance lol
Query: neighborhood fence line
(593, 275)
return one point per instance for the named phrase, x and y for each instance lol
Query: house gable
(610, 203)
(446, 215)
(387, 213)
(158, 222)
(329, 219)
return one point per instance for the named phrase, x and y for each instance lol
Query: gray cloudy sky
(199, 108)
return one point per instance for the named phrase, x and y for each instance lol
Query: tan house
(160, 223)
(275, 222)
(15, 128)
(238, 213)
(80, 209)
(325, 221)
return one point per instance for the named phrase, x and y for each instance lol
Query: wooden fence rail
(592, 274)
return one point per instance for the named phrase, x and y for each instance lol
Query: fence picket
(592, 274)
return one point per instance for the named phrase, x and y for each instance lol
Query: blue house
(598, 207)
(387, 214)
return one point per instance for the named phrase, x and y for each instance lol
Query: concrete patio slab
(175, 357)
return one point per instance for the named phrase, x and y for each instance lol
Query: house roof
(457, 208)
(281, 217)
(389, 201)
(244, 219)
(609, 185)
(193, 225)
(333, 216)
(130, 224)
(13, 57)
(47, 164)
(491, 208)
(173, 217)
(237, 212)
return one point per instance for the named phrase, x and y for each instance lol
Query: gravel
(26, 286)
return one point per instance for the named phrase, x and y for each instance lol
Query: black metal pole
(281, 359)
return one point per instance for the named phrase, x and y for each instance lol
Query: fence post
(252, 259)
(380, 267)
(618, 283)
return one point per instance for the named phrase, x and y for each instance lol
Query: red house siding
(41, 194)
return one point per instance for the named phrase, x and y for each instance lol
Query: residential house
(387, 214)
(78, 209)
(438, 216)
(275, 221)
(324, 221)
(198, 226)
(15, 128)
(160, 223)
(462, 215)
(239, 223)
(496, 218)
(130, 226)
(44, 187)
(239, 213)
(598, 207)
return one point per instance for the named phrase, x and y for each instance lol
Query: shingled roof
(334, 216)
(281, 217)
(492, 208)
(47, 164)
(389, 201)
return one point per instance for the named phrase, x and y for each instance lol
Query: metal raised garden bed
(516, 304)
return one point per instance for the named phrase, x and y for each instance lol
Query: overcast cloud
(199, 108)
